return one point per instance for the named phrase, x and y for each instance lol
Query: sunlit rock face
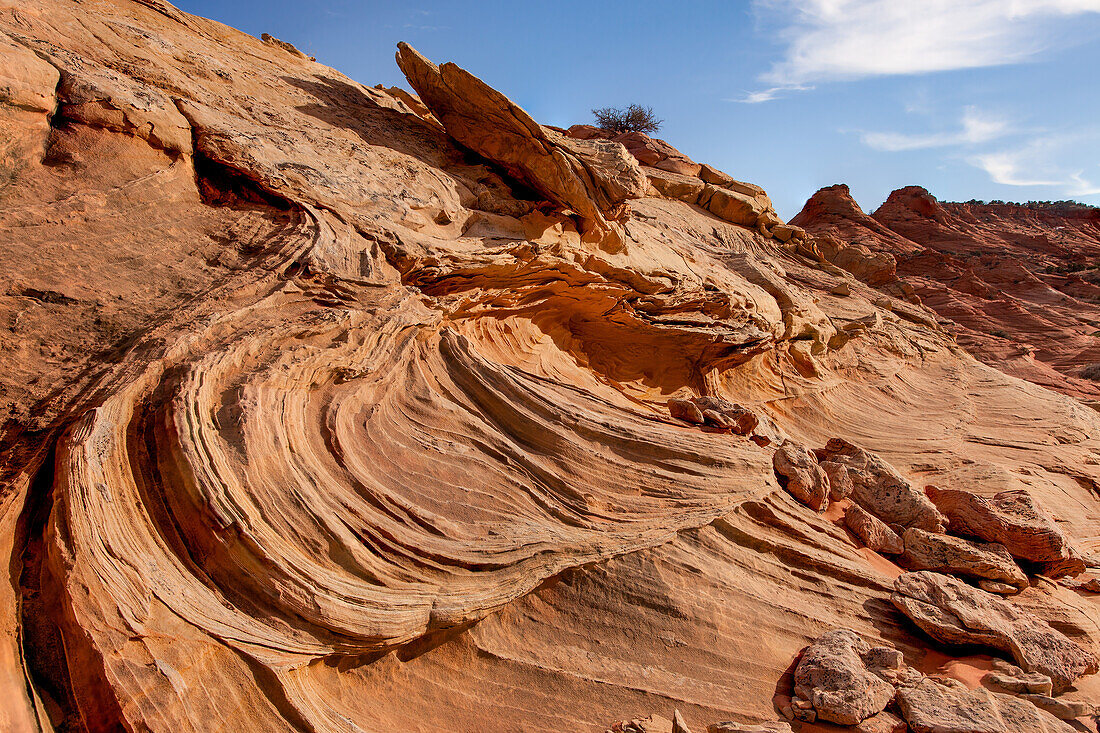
(324, 412)
(1016, 284)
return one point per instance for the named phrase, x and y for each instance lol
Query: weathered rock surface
(800, 474)
(1018, 681)
(842, 679)
(1060, 707)
(956, 613)
(880, 489)
(315, 418)
(840, 482)
(872, 531)
(648, 724)
(731, 727)
(957, 556)
(1011, 518)
(589, 176)
(884, 722)
(947, 706)
(1011, 281)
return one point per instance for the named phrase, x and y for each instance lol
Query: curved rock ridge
(333, 408)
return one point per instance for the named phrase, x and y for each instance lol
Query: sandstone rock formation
(1010, 518)
(590, 176)
(956, 613)
(956, 556)
(880, 489)
(947, 706)
(872, 531)
(1014, 283)
(333, 408)
(842, 679)
(800, 474)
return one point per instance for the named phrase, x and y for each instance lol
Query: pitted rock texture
(880, 489)
(318, 418)
(957, 556)
(1010, 518)
(947, 706)
(955, 613)
(844, 679)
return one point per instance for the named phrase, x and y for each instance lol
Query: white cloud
(975, 127)
(854, 39)
(767, 95)
(1038, 163)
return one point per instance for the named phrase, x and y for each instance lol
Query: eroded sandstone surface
(339, 408)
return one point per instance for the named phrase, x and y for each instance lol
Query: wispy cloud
(975, 127)
(767, 95)
(1038, 163)
(828, 40)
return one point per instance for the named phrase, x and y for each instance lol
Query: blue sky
(986, 99)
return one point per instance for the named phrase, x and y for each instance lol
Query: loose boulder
(840, 483)
(953, 612)
(946, 554)
(948, 706)
(872, 531)
(842, 679)
(881, 490)
(1012, 518)
(798, 472)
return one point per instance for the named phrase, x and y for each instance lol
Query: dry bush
(634, 118)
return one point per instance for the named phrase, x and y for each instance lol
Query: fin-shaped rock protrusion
(591, 177)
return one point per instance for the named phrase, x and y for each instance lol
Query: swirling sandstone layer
(323, 415)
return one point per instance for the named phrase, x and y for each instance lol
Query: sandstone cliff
(337, 408)
(1017, 284)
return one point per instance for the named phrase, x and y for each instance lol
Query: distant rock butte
(341, 409)
(1017, 284)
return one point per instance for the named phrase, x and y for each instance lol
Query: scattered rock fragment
(1012, 518)
(842, 679)
(731, 727)
(946, 554)
(715, 412)
(884, 722)
(288, 47)
(679, 725)
(872, 531)
(881, 490)
(648, 724)
(956, 613)
(1060, 707)
(1018, 681)
(727, 415)
(800, 474)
